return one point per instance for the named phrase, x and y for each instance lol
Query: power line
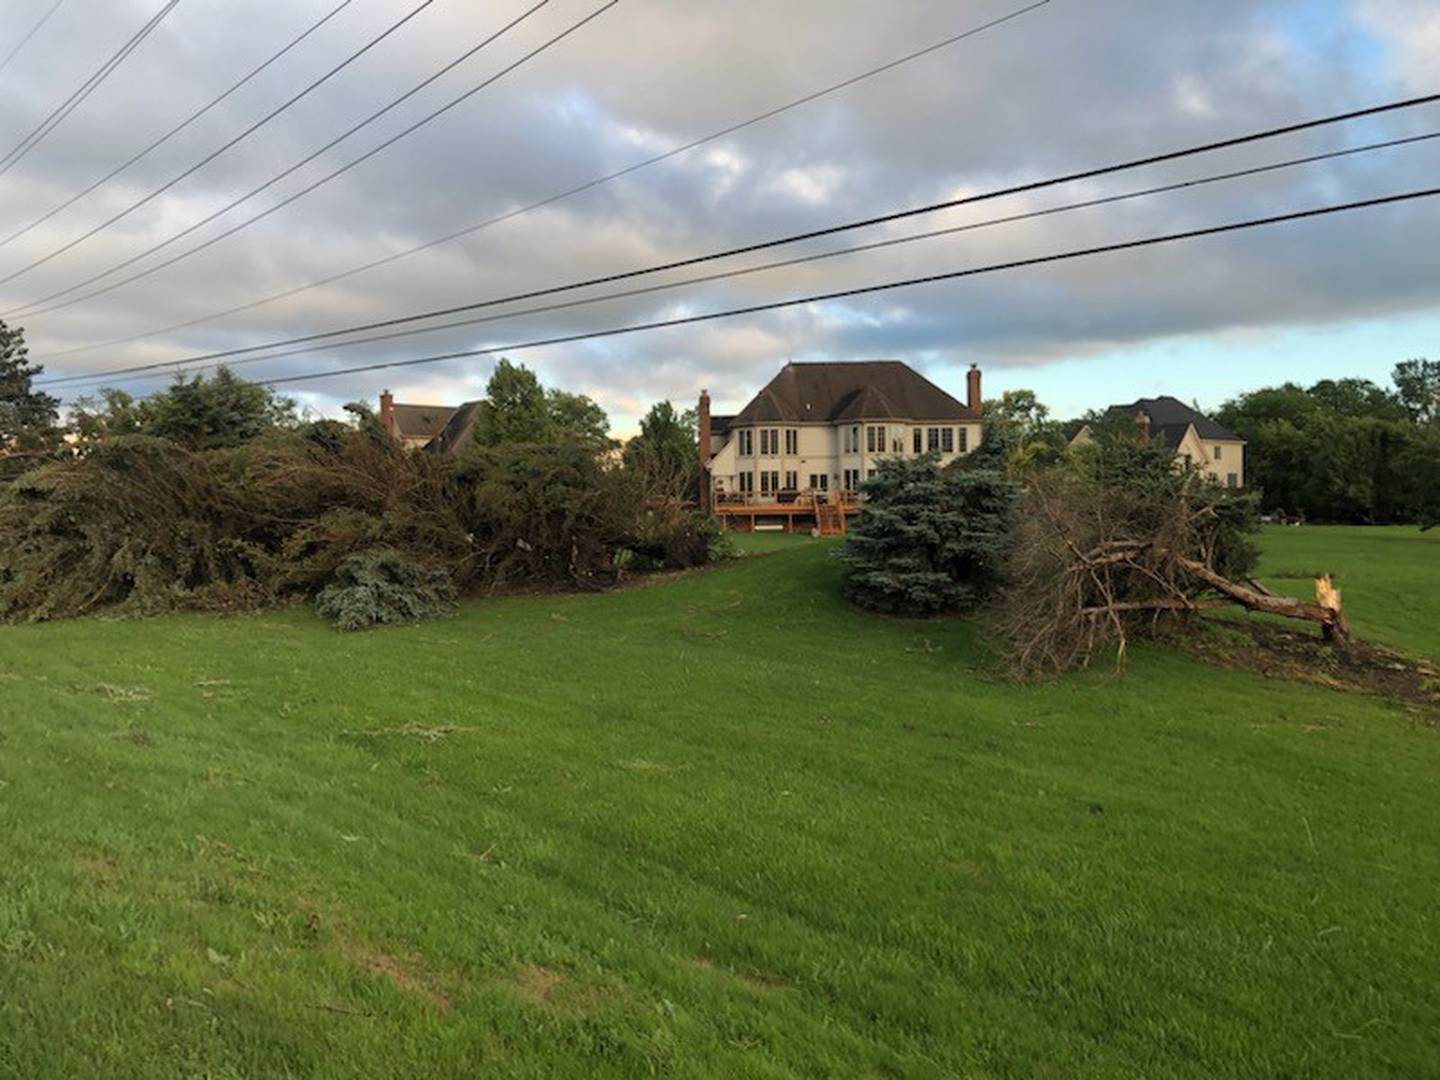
(33, 31)
(163, 139)
(928, 279)
(577, 190)
(88, 87)
(192, 170)
(36, 307)
(865, 290)
(247, 357)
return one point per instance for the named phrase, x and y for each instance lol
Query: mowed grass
(1389, 577)
(719, 826)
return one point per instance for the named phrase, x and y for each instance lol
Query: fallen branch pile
(1094, 565)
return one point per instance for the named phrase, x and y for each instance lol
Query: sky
(1067, 86)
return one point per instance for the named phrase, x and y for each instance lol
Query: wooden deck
(829, 517)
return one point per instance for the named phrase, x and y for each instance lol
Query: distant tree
(929, 540)
(514, 408)
(666, 450)
(29, 418)
(576, 419)
(1020, 411)
(518, 410)
(219, 411)
(1358, 398)
(1344, 450)
(1417, 383)
(113, 413)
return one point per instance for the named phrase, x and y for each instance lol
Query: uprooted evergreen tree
(139, 524)
(928, 540)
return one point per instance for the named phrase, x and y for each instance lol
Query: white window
(819, 481)
(792, 441)
(769, 482)
(1232, 480)
(932, 439)
(747, 442)
(947, 440)
(1217, 453)
(769, 442)
(919, 440)
(747, 483)
(792, 481)
(875, 440)
(964, 440)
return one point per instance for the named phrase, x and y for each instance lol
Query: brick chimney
(704, 425)
(1142, 427)
(387, 411)
(972, 387)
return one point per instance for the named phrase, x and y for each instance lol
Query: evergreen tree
(929, 540)
(206, 414)
(29, 418)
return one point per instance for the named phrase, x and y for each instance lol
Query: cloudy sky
(1070, 85)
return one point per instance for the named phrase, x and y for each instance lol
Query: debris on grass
(1355, 667)
(429, 735)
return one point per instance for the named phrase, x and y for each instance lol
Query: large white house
(823, 428)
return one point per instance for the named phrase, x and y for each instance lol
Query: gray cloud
(1075, 84)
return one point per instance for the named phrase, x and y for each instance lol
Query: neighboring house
(822, 429)
(458, 432)
(1193, 436)
(413, 425)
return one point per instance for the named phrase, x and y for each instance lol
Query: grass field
(1390, 577)
(722, 825)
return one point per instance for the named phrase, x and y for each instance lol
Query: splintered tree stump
(1328, 597)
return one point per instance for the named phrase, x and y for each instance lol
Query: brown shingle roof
(421, 421)
(852, 390)
(458, 433)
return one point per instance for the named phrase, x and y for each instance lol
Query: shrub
(928, 541)
(140, 524)
(384, 588)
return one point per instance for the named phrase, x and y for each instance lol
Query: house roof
(421, 421)
(853, 390)
(458, 431)
(1170, 418)
(720, 425)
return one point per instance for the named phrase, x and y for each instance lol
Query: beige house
(818, 431)
(1193, 436)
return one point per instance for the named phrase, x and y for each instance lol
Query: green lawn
(1389, 577)
(719, 826)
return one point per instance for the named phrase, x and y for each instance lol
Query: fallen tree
(1100, 556)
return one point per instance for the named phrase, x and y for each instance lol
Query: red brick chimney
(1142, 427)
(704, 424)
(972, 386)
(387, 411)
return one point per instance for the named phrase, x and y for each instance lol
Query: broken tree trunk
(1326, 611)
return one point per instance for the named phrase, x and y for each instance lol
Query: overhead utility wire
(236, 141)
(35, 308)
(88, 87)
(587, 186)
(244, 353)
(33, 31)
(163, 139)
(820, 298)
